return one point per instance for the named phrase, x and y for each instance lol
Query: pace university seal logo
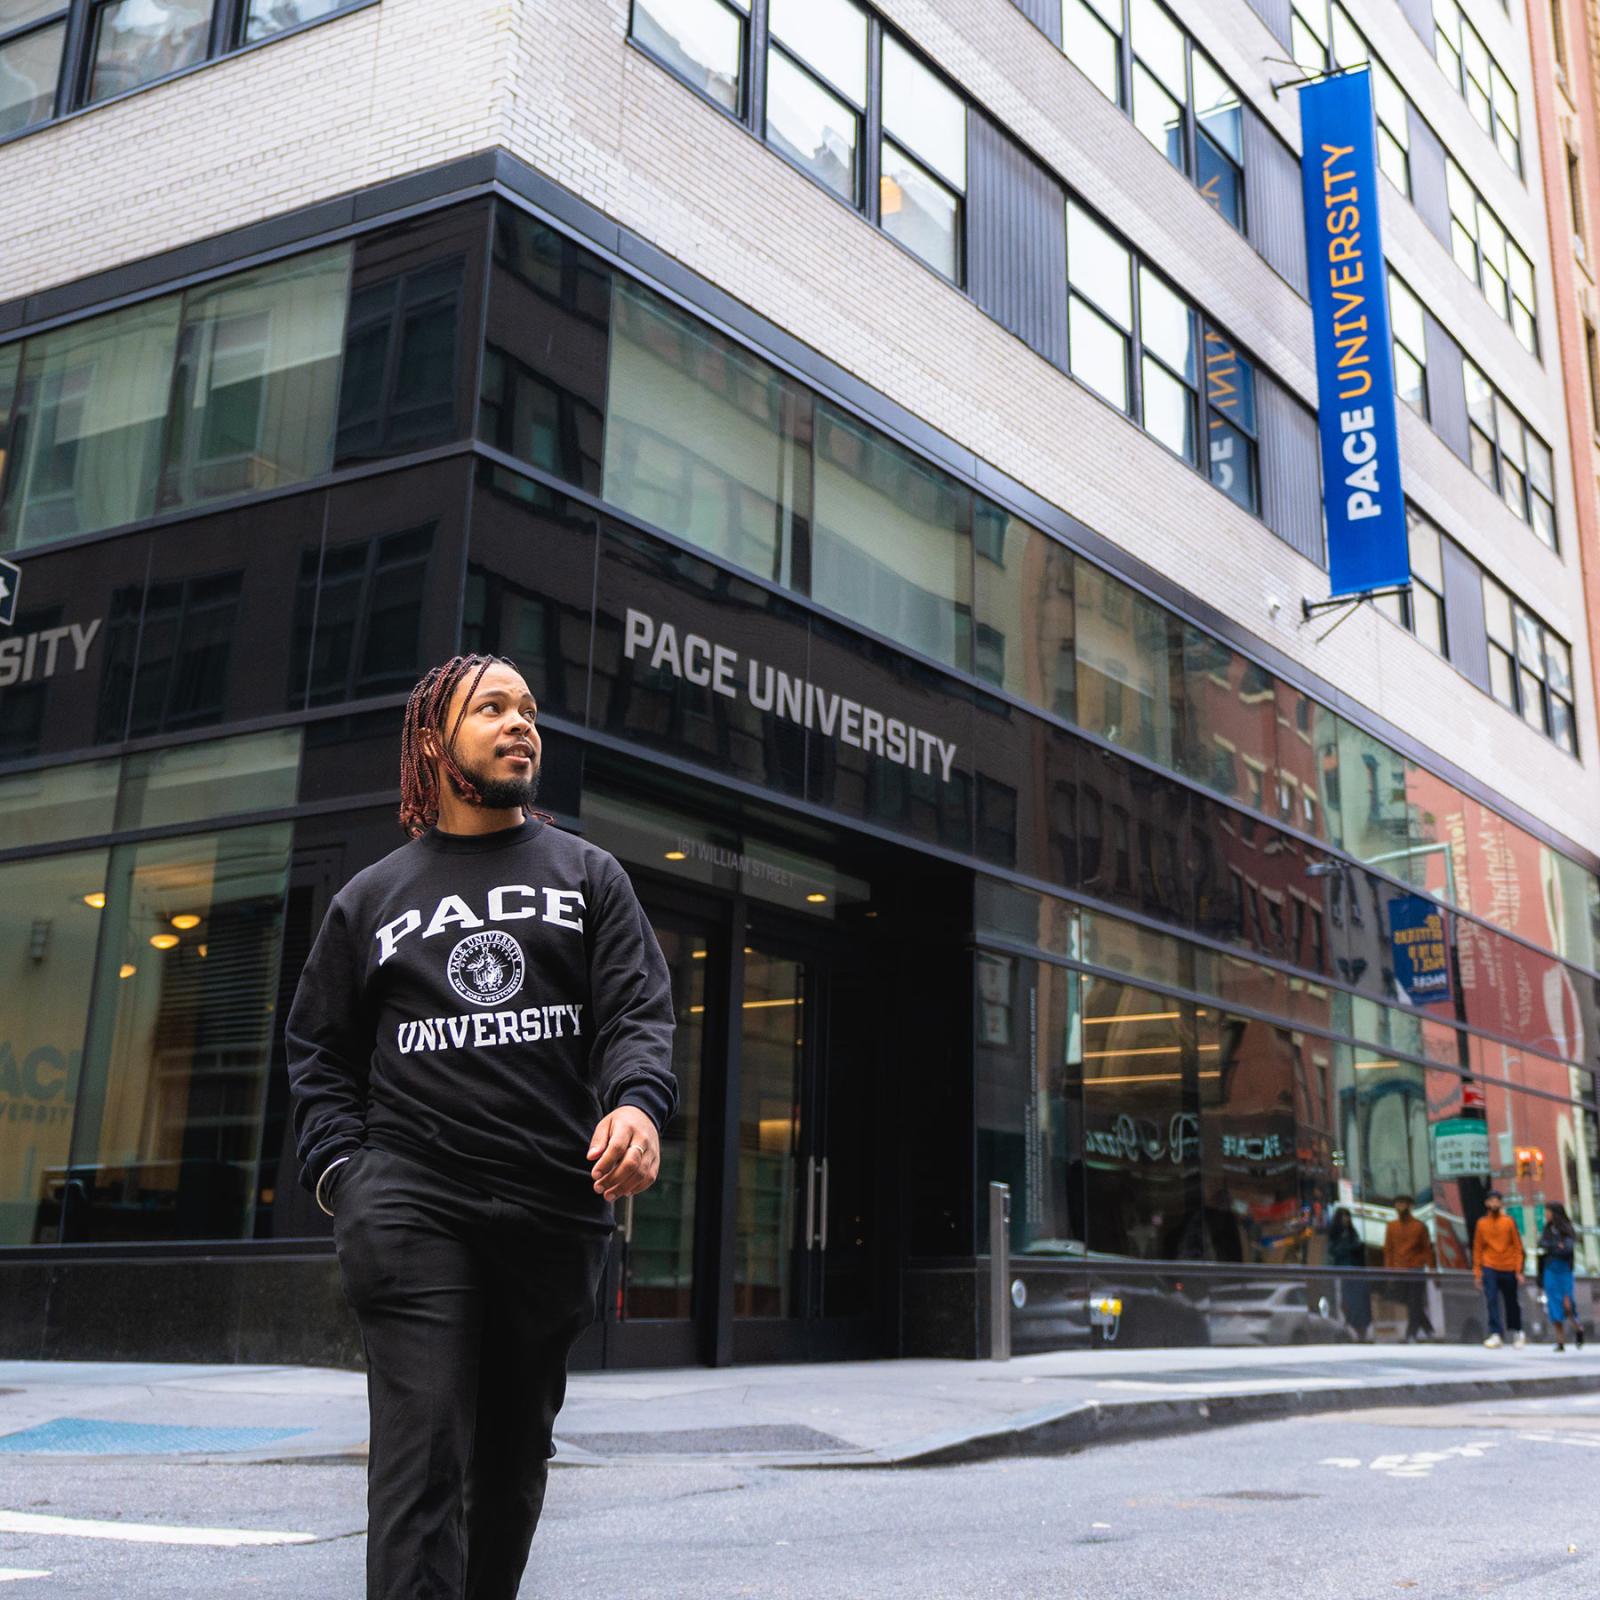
(486, 967)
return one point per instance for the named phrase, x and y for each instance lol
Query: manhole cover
(85, 1436)
(756, 1439)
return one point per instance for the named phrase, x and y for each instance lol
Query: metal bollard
(999, 1271)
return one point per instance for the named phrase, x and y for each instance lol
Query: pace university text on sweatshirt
(477, 1002)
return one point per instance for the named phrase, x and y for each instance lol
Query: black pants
(468, 1308)
(1415, 1293)
(1500, 1289)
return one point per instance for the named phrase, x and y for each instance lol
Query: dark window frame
(1191, 132)
(226, 38)
(1498, 456)
(757, 42)
(1462, 76)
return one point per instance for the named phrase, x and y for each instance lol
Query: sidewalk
(847, 1414)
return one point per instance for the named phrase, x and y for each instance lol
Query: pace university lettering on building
(1350, 315)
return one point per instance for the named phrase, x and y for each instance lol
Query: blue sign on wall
(1421, 952)
(1350, 313)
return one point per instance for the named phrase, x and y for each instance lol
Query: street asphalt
(1447, 1502)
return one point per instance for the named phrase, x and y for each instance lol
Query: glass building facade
(937, 819)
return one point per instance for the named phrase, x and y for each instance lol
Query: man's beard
(502, 794)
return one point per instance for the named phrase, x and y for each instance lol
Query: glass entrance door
(802, 1274)
(652, 1294)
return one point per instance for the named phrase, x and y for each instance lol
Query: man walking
(1408, 1248)
(1497, 1262)
(480, 1061)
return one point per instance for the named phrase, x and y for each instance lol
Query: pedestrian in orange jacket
(1497, 1262)
(1408, 1248)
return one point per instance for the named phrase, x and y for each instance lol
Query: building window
(1231, 446)
(1349, 48)
(1179, 100)
(136, 41)
(1591, 348)
(1491, 258)
(1425, 604)
(702, 41)
(1464, 59)
(1509, 456)
(267, 17)
(32, 33)
(817, 89)
(1100, 307)
(924, 172)
(1544, 680)
(1091, 36)
(1502, 643)
(1168, 373)
(1575, 197)
(1410, 347)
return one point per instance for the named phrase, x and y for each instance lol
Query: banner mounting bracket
(1347, 603)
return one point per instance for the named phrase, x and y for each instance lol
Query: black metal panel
(1463, 613)
(1276, 216)
(1419, 13)
(1275, 13)
(1428, 192)
(1016, 240)
(1447, 395)
(1046, 15)
(1291, 486)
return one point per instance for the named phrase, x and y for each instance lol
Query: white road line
(143, 1532)
(12, 1574)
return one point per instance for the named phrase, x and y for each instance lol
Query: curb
(1067, 1430)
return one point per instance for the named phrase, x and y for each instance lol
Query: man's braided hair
(426, 711)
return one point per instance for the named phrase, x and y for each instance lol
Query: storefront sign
(1366, 511)
(1142, 1139)
(721, 669)
(1461, 1148)
(1420, 949)
(31, 656)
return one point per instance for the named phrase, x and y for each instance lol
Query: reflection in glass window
(55, 803)
(1091, 35)
(267, 17)
(30, 64)
(180, 1045)
(700, 40)
(694, 439)
(1137, 1065)
(258, 380)
(1158, 115)
(1219, 139)
(920, 212)
(1231, 447)
(1124, 665)
(50, 916)
(819, 52)
(890, 544)
(924, 160)
(94, 397)
(136, 41)
(1425, 608)
(1023, 598)
(216, 778)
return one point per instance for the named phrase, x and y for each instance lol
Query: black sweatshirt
(478, 1002)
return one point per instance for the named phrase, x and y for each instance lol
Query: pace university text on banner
(1350, 315)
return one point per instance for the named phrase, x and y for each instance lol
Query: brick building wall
(385, 91)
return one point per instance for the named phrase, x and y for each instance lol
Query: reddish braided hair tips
(426, 711)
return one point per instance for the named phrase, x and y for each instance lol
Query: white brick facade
(395, 87)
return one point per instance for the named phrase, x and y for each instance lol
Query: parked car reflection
(1263, 1314)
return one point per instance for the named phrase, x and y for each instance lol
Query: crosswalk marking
(12, 1574)
(143, 1532)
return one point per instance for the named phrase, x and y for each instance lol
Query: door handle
(823, 1241)
(811, 1200)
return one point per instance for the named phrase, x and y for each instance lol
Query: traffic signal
(1530, 1161)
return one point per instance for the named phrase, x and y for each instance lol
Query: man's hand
(629, 1152)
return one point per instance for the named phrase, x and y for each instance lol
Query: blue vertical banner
(1420, 949)
(1361, 492)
